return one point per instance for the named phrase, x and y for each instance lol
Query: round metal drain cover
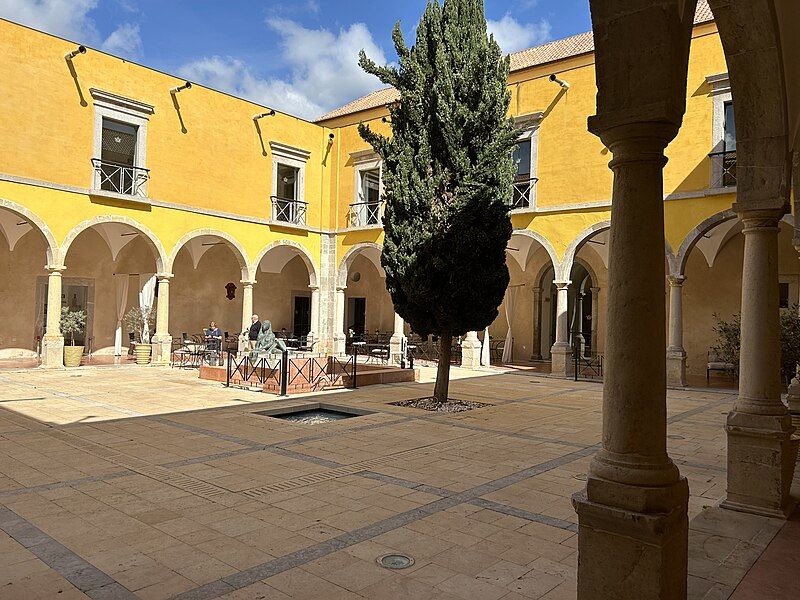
(395, 561)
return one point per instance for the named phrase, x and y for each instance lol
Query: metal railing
(723, 168)
(428, 350)
(285, 210)
(522, 196)
(307, 373)
(364, 214)
(587, 366)
(119, 178)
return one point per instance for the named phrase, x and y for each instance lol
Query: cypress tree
(448, 176)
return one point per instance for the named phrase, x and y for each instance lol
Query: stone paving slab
(147, 483)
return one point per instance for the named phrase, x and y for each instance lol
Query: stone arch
(152, 239)
(373, 252)
(563, 273)
(589, 269)
(238, 250)
(678, 261)
(299, 250)
(543, 241)
(53, 251)
(760, 99)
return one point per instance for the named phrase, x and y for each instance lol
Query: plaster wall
(273, 294)
(379, 307)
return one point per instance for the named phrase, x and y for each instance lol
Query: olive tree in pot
(73, 322)
(140, 322)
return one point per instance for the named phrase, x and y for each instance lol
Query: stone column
(561, 352)
(633, 525)
(314, 331)
(676, 354)
(595, 319)
(471, 351)
(580, 342)
(398, 342)
(247, 313)
(761, 452)
(536, 342)
(53, 341)
(162, 340)
(339, 337)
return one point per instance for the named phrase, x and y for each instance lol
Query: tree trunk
(443, 371)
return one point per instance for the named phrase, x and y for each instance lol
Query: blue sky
(299, 57)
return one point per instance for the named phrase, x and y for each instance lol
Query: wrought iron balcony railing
(365, 214)
(522, 196)
(285, 210)
(723, 168)
(118, 178)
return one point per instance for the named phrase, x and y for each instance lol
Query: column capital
(537, 289)
(341, 288)
(55, 269)
(676, 280)
(562, 285)
(594, 290)
(247, 283)
(754, 220)
(633, 140)
(164, 276)
(313, 288)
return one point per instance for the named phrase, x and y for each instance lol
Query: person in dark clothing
(252, 334)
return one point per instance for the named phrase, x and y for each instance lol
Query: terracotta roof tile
(575, 45)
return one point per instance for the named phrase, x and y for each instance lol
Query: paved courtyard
(120, 482)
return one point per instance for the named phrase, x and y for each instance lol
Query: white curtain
(486, 355)
(121, 284)
(511, 295)
(147, 295)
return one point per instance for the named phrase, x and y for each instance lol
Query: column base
(396, 345)
(762, 451)
(676, 368)
(470, 354)
(561, 359)
(627, 553)
(162, 350)
(339, 344)
(53, 352)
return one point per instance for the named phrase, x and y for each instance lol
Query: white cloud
(70, 19)
(322, 65)
(124, 40)
(513, 35)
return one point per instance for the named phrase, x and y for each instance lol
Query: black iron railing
(119, 178)
(522, 196)
(280, 373)
(429, 350)
(723, 168)
(285, 210)
(364, 214)
(587, 366)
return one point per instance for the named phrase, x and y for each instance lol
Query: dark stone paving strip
(60, 484)
(411, 485)
(524, 514)
(86, 577)
(700, 409)
(301, 557)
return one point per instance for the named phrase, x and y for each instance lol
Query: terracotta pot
(72, 356)
(142, 353)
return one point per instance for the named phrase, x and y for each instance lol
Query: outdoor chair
(715, 363)
(131, 343)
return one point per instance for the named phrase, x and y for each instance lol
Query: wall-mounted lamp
(270, 113)
(331, 137)
(385, 120)
(180, 88)
(74, 53)
(560, 82)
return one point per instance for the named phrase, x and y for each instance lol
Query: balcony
(285, 210)
(365, 214)
(523, 194)
(120, 179)
(723, 168)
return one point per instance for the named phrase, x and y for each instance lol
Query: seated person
(213, 337)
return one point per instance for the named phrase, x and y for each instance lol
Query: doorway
(301, 324)
(357, 315)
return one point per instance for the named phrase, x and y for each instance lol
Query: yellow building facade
(113, 175)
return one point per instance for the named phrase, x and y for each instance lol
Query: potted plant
(141, 323)
(72, 322)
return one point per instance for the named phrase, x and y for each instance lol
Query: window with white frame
(723, 143)
(366, 209)
(288, 204)
(525, 157)
(120, 144)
